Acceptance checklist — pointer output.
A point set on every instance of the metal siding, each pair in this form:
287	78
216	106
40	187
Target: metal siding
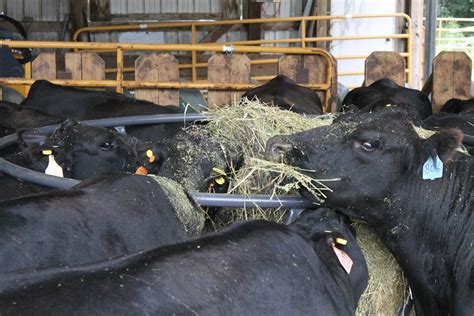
296	8
152	6
14	8
63	9
169	6
285	9
216	6
186	6
118	6
32	9
49	10
135	7
202	6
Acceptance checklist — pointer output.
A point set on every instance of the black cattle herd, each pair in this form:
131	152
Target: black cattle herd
122	243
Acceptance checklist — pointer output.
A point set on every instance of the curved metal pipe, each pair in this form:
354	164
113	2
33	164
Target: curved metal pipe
203	199
119	121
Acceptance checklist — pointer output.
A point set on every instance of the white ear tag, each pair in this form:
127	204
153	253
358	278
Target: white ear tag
53	168
433	169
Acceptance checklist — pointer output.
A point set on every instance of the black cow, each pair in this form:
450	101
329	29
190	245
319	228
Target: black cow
454	114
427	224
384	93
254	267
283	92
193	157
84	151
81	104
14	117
458	106
96	220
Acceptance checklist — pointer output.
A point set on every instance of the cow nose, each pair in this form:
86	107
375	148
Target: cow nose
276	149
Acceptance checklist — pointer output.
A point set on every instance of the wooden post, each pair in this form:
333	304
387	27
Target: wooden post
255	12
416	13
233	68
323	7
85	66
311	70
44	66
230	10
381	65
78	9
157	67
451	78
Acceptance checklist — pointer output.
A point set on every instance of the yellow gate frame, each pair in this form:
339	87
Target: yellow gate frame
330	86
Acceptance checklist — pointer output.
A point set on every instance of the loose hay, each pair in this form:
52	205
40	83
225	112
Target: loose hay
250	124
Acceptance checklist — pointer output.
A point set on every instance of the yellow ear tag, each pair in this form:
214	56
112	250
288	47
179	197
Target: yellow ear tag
149	153
219	171
341	241
151	159
47	152
220	180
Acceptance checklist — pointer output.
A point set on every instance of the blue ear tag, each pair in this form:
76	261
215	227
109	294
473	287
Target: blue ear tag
433	169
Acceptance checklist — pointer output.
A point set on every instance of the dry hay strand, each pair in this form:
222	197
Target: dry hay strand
386	290
250	124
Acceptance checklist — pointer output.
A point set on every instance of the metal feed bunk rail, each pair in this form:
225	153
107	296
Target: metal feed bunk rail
301	39
296	204
329	86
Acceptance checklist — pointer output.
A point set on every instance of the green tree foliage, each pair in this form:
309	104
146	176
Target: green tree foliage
456	8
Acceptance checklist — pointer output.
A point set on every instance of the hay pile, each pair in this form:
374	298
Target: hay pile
250	124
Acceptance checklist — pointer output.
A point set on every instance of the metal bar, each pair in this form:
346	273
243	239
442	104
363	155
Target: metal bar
203	199
193	54
164	47
35	176
430	36
151	84
119	88
303	33
150	26
251	201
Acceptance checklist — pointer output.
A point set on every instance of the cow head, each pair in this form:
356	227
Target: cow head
329	229
199	161
85	151
370	153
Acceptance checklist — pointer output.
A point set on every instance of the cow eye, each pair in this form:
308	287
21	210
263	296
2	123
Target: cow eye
367	146
107	145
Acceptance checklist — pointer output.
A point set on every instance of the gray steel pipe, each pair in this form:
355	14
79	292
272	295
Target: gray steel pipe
203	199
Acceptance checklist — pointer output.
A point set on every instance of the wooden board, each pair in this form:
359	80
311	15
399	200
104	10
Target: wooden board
85	66
290	66
451	78
160	68
311	69
72	62
44	66
381	65
93	66
233	68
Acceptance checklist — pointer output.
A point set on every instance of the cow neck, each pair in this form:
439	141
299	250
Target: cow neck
423	225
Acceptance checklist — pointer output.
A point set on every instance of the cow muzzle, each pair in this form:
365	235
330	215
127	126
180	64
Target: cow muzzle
277	148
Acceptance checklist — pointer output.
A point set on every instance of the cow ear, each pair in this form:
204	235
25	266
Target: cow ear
151	155
442	144
30	138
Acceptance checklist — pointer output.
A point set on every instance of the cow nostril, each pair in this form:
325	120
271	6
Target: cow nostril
277	151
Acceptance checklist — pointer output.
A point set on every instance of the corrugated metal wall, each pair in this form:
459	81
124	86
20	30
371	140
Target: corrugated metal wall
54	10
36	10
124	7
